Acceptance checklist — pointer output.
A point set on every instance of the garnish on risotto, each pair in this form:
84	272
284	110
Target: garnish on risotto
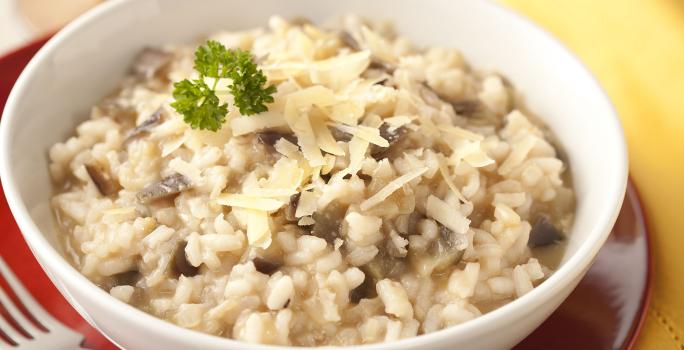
384	191
198	103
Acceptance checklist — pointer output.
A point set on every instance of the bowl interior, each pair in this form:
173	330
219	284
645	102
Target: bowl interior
85	62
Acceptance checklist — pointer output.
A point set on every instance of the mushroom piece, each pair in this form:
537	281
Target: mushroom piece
393	136
340	135
328	222
102	180
129	278
145	126
291	209
266	266
382	266
270	138
150	60
365	290
181	265
168	186
544	233
446	251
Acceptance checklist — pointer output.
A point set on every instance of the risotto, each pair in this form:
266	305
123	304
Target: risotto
388	191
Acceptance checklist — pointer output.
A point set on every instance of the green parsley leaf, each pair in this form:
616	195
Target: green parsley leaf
247	88
199	105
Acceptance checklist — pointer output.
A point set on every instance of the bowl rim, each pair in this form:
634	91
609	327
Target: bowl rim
567	272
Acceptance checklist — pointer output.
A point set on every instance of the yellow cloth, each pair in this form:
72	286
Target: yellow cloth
636	49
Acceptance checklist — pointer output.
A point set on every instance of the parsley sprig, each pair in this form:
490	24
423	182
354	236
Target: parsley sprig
197	101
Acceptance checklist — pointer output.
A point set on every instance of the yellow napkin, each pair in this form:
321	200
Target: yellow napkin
636	49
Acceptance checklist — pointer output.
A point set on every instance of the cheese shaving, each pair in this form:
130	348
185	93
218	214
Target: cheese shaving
447	178
347	112
324	137
446	215
397	121
167	147
391	187
307	204
460	132
287	148
258	231
329	164
357	153
249	124
367	133
249	202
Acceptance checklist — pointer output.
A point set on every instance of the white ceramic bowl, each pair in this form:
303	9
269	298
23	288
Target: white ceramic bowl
85	61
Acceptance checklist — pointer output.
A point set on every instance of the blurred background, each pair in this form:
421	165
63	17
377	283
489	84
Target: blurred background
636	50
23	20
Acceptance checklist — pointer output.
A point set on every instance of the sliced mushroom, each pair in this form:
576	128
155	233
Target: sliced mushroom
544	233
328	222
382	266
340	135
445	252
467	107
380	64
393	136
181	265
168	186
266	266
150	61
145	126
365	290
129	278
270	138
102	179
291	209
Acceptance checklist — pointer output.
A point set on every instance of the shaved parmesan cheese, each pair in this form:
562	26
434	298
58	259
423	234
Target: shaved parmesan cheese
307	141
258	231
397	121
314	95
367	133
460	132
307	204
269	192
447	215
249	124
290	150
357	153
324	137
249	202
171	145
286	174
447	178
378	45
471	152
287	148
347	112
390	188
338	71
329	164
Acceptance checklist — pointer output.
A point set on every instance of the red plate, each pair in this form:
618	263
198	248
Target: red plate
606	311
